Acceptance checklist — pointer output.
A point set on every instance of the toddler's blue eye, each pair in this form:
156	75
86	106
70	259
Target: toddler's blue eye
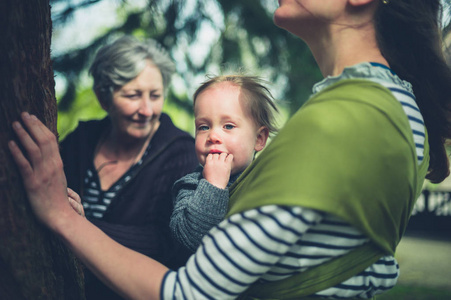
202	128
229	126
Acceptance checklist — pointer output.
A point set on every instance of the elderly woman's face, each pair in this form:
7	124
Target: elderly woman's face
136	106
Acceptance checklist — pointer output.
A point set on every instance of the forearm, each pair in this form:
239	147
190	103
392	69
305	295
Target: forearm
196	211
41	168
237	252
129	273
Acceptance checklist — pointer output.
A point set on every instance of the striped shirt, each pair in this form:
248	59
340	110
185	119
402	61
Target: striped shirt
96	200
273	242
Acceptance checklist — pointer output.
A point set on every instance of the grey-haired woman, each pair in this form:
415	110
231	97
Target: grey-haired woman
124	166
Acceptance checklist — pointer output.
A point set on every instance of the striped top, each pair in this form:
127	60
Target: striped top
273	242
96	200
409	105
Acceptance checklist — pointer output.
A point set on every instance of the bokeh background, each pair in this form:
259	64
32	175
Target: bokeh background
207	37
203	37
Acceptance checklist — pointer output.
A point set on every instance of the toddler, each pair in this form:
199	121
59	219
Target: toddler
234	115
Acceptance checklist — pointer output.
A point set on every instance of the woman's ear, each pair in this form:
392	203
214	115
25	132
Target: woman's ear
262	137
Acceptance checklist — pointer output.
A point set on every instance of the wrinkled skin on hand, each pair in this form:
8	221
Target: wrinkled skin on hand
41	168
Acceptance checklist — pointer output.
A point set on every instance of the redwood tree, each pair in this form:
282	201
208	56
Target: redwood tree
34	264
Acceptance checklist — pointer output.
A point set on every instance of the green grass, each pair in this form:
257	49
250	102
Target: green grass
401	292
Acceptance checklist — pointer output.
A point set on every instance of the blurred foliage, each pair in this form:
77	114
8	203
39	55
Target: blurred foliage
415	292
234	34
203	37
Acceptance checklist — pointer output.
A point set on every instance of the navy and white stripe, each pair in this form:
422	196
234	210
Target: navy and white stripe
271	243
410	107
95	200
403	92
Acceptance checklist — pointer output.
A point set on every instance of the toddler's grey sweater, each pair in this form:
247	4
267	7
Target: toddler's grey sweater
198	207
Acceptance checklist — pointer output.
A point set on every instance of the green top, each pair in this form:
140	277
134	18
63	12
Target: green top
349	152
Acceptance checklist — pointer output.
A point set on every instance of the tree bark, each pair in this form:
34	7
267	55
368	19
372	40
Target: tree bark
34	264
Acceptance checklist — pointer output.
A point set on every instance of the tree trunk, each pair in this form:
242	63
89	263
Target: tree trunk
34	264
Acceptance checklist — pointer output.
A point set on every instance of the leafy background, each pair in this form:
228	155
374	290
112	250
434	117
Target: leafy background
203	37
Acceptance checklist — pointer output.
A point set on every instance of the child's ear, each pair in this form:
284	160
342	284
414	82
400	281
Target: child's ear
262	137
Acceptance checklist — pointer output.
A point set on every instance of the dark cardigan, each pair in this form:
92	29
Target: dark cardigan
138	217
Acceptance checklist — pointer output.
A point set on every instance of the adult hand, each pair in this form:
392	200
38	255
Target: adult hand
217	169
41	168
75	202
45	183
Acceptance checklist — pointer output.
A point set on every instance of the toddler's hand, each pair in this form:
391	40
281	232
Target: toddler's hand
217	169
75	202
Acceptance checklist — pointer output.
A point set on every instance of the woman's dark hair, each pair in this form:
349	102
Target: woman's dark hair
410	38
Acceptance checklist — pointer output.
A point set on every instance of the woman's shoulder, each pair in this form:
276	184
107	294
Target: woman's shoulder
88	128
173	144
169	133
357	90
86	134
351	105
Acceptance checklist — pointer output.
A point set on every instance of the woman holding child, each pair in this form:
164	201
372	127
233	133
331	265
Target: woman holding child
321	210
